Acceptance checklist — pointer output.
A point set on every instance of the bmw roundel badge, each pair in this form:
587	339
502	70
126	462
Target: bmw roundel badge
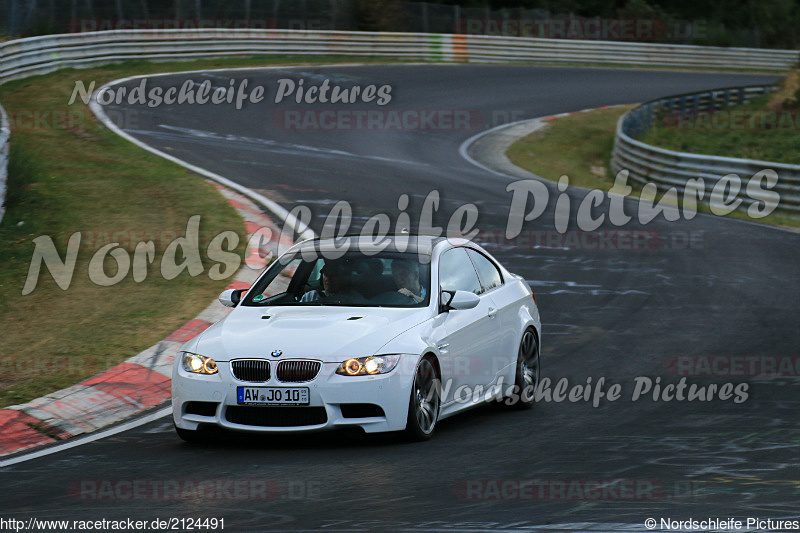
276	353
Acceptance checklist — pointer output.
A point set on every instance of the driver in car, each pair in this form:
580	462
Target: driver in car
336	279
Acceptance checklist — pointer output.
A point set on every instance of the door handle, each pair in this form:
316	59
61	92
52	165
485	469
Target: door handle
492	312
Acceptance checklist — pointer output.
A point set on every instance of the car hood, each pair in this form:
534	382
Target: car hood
330	334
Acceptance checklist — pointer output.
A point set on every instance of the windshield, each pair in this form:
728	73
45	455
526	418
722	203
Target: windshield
386	279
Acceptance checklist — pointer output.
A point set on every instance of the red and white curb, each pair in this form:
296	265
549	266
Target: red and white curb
487	149
143	381
589	110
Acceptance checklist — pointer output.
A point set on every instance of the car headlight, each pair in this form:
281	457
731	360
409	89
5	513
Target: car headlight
199	364
365	366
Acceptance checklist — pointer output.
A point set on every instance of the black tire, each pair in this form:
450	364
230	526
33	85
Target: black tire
425	402
526	379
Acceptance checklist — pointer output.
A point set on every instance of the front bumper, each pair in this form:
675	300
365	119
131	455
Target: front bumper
328	393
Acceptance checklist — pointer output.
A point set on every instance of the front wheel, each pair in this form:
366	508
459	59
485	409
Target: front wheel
423	408
526	380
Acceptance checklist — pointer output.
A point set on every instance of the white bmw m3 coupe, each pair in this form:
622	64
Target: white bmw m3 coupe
387	336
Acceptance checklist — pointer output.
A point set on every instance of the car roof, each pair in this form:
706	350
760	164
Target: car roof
408	243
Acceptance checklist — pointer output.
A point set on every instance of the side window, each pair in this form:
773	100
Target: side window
488	272
456	272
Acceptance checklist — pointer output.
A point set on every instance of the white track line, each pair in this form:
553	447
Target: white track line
304	231
91	437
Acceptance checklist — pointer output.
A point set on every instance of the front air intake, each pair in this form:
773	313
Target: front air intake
276	416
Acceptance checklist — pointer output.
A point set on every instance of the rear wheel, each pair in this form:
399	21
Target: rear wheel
423	408
526	380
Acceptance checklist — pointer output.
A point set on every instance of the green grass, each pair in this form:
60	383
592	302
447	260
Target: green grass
765	129
580	145
63	180
756	133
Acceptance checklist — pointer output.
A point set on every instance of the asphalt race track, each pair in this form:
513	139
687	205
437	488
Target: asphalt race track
713	287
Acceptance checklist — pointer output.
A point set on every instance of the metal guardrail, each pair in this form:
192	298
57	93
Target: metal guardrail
669	169
489	48
40	55
5	145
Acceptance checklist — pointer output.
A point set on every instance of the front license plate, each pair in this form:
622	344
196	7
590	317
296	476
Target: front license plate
272	395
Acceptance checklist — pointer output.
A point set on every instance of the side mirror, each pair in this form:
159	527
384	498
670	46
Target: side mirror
231	297
459	300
